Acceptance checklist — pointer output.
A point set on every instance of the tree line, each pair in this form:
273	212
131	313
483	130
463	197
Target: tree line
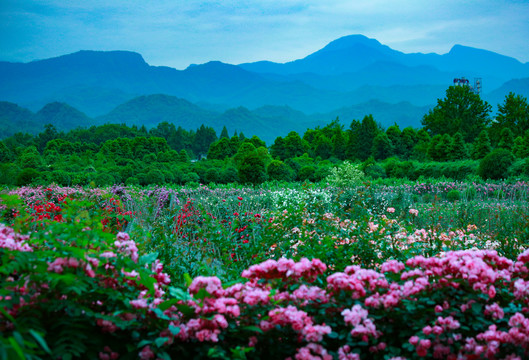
459	137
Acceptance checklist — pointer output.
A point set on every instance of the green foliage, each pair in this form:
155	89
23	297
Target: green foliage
252	169
278	170
496	164
27	176
460	111
345	175
453	195
103	179
481	146
513	114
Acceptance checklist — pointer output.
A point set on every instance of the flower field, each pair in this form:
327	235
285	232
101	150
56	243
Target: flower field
379	271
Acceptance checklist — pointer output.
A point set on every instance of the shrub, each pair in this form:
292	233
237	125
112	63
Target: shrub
453	195
496	164
345	175
27	176
104	179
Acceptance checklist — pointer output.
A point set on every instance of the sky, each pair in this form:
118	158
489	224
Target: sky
178	33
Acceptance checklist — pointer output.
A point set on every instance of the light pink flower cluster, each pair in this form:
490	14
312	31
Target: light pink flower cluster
312	352
126	246
13	241
356	280
363	327
298	320
285	269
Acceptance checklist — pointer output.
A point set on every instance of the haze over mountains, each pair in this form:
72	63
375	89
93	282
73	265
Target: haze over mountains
350	77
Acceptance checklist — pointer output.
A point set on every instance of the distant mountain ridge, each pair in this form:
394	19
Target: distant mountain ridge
349	72
267	122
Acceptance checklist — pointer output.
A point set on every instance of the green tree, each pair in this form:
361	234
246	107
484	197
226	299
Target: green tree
27	176
495	165
322	146
395	137
5	153
420	150
521	146
352	140
458	150
460	111
224	133
369	129
409	139
506	139
382	147
512	114
30	158
481	146
221	149
252	169
339	144
278	149
294	145
278	170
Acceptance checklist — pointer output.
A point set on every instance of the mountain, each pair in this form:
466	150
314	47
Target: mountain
14	118
62	116
517	86
349	72
150	110
268	122
359	54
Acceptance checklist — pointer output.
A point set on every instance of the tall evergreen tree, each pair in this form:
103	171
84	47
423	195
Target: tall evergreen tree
369	129
506	139
481	146
458	150
224	133
382	147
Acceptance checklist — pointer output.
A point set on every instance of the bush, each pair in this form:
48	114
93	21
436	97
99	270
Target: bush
375	171
496	164
345	175
453	195
132	181
104	179
27	176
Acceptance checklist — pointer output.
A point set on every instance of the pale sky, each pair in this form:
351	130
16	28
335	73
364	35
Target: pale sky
178	33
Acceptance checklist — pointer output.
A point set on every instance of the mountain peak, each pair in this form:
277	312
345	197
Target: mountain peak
349	41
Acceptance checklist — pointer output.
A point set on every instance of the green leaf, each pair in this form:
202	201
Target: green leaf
160	341
185	309
253	328
148	258
163	355
167	304
147	281
179	293
187	279
40	340
17	348
175	330
143	343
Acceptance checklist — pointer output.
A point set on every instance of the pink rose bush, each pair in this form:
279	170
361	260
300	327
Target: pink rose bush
71	293
439	307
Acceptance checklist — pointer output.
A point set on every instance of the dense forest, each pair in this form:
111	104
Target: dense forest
460	138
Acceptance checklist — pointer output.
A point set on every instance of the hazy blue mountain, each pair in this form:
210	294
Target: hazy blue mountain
404	114
267	122
150	110
517	86
349	71
62	116
14	118
353	53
